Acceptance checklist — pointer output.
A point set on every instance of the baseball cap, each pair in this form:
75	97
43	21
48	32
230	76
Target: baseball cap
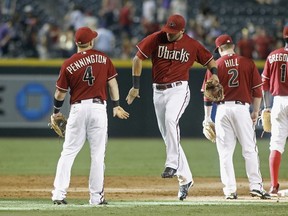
285	32
221	40
175	24
84	35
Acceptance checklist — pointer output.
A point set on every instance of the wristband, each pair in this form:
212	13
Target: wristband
57	105
136	82
208	103
115	103
56	110
214	70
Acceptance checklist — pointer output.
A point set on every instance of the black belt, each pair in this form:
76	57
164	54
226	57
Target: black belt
94	100
236	102
169	85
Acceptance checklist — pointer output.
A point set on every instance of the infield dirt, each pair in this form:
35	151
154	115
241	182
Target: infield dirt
117	188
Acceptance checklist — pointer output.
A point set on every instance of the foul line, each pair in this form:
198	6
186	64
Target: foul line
14	205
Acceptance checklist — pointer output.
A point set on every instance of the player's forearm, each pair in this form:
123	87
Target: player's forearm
212	64
136	72
266	99
256	102
207	111
136	66
59	97
113	89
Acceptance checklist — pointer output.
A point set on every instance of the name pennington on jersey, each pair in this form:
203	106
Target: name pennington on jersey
88	60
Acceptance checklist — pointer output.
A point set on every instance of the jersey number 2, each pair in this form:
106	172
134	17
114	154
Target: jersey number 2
233	81
88	76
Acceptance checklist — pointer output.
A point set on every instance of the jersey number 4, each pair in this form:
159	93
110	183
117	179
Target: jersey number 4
88	76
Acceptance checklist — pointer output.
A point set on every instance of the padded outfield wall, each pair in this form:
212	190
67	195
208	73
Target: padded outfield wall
26	100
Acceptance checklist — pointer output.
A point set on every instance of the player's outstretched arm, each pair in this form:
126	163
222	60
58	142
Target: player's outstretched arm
136	73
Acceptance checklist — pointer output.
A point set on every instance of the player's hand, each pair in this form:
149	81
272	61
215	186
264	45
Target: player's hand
120	113
214	77
206	120
132	94
254	117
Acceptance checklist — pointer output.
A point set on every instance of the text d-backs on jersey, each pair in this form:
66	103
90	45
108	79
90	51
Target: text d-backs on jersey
177	55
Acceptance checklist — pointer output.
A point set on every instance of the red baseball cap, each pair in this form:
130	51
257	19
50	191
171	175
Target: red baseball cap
285	32
175	24
221	40
84	35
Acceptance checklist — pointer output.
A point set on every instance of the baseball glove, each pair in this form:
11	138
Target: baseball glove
58	124
266	120
213	90
209	131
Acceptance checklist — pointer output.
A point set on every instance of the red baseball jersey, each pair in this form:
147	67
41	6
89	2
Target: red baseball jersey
274	75
86	74
239	76
171	61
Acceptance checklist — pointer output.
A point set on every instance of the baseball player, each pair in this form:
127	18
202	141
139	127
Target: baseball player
242	87
87	74
172	53
274	79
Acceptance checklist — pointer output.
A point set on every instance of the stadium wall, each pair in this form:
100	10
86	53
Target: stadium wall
26	100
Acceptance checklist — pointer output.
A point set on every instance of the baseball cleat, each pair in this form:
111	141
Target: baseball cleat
168	172
261	194
104	202
274	190
96	201
231	196
183	190
60	202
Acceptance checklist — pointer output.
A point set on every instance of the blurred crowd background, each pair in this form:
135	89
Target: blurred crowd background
45	29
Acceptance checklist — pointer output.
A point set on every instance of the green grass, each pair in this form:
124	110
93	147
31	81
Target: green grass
43	208
129	157
124	157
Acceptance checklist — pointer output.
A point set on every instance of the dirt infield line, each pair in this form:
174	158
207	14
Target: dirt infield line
121	188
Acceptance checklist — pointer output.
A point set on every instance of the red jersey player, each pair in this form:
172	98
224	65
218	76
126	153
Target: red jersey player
242	87
86	74
172	53
275	81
